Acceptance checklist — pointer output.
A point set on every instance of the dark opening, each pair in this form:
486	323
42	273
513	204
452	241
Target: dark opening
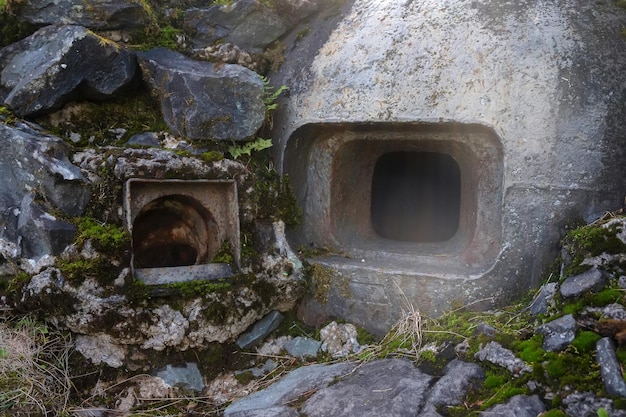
167	233
416	196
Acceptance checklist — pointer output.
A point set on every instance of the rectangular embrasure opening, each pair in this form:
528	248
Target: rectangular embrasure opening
424	195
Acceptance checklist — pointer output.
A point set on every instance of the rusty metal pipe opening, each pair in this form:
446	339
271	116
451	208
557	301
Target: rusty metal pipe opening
173	231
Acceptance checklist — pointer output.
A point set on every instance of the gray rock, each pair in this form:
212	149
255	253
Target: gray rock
297	10
43	71
41	233
150	139
429	411
388	387
586	404
592	280
518	406
95	14
485	329
303	347
610	368
621	281
277	411
34	161
101	349
610	311
543	299
453	386
559	333
260	330
289	388
187	376
260	371
494	352
247	24
339	339
202	101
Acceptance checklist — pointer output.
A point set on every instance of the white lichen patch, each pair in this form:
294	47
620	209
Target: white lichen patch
168	329
101	349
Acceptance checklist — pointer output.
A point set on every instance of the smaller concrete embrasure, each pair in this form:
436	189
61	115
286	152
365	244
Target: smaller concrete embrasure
177	227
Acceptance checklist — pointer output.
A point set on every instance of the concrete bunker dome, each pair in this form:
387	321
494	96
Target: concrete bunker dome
443	156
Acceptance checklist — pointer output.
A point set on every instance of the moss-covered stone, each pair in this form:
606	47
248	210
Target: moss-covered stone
590	241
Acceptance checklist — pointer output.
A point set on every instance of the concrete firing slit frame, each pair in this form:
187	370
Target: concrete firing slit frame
178	226
331	167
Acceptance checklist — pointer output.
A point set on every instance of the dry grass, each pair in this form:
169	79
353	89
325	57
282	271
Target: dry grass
34	369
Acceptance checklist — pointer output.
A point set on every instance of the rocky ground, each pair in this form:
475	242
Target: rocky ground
560	354
557	352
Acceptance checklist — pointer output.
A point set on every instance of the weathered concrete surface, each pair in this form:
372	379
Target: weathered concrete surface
546	78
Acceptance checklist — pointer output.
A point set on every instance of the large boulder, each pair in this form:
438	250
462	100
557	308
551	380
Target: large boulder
200	100
45	70
246	23
35	170
95	14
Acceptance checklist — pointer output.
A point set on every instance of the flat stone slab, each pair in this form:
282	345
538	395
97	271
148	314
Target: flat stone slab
188	376
610	368
291	387
388	387
174	274
592	280
518	406
260	330
559	333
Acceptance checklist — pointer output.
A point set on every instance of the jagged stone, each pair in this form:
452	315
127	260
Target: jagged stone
95	14
33	164
260	330
276	411
586	404
101	349
42	233
452	387
339	339
485	329
543	299
518	406
303	347
296	10
187	377
149	139
559	333
200	100
289	388
494	352
610	368
610	311
246	23
45	70
388	387
592	280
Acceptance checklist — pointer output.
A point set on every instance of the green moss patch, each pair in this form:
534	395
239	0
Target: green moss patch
106	238
135	112
589	241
